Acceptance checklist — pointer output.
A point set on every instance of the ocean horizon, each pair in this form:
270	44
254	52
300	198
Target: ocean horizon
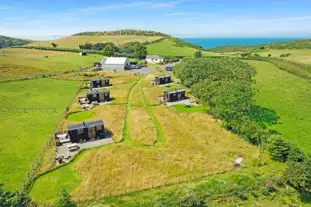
208	43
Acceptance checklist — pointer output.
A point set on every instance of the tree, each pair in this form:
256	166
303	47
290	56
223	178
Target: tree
108	50
14	199
295	154
197	54
64	200
279	149
54	44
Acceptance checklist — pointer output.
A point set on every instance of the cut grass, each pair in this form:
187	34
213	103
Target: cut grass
167	47
301	55
80	116
75	41
19	63
290	97
183	108
24	134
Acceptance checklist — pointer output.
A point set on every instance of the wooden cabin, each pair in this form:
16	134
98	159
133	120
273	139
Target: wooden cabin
86	130
165	79
99	96
175	95
99	83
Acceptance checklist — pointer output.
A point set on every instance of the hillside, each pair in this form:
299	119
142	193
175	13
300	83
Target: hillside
123	32
9	41
298	44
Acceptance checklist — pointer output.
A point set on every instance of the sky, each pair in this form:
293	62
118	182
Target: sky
41	19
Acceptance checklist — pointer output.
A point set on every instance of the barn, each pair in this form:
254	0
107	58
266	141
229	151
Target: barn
115	64
99	83
99	96
86	130
175	95
165	79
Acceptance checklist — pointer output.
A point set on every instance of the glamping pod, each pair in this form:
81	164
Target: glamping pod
175	95
165	79
86	130
99	83
99	96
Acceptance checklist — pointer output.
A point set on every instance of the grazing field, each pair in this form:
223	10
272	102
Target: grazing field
16	62
301	55
290	97
75	41
188	145
24	134
167	47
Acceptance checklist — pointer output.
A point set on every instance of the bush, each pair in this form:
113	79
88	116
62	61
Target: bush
63	200
279	149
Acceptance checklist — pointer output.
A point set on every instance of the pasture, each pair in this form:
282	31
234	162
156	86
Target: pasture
301	55
179	147
24	134
290	97
167	47
75	41
17	62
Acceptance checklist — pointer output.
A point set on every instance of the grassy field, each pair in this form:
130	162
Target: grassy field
169	48
75	41
24	134
290	97
16	62
184	108
192	145
301	55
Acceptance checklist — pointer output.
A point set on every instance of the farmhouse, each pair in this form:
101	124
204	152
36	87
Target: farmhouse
82	53
115	64
99	83
165	79
175	95
98	96
154	59
86	130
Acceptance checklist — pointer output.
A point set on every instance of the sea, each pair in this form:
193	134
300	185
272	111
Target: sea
208	43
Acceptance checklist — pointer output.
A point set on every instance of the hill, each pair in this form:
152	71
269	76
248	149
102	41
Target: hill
298	44
123	32
9	41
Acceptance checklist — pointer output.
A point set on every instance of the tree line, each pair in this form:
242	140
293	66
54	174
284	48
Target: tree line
226	85
9	42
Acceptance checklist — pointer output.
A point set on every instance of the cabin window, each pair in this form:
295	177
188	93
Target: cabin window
99	127
94	95
80	131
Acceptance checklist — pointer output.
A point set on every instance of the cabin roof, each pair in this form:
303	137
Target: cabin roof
85	125
114	61
98	79
174	91
94	123
164	76
97	92
75	127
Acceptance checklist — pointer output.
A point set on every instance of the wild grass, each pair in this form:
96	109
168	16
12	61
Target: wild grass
183	108
290	97
141	128
75	41
24	134
301	55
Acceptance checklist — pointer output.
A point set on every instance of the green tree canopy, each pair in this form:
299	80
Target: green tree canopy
279	149
108	51
197	54
63	200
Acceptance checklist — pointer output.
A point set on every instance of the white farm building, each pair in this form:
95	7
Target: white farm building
115	64
154	59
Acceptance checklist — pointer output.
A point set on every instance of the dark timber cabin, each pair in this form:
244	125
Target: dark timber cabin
86	130
163	79
98	96
99	83
175	95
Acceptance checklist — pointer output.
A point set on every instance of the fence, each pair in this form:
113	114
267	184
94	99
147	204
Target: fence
26	110
51	141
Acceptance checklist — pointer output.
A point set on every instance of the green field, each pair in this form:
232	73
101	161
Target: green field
167	47
24	134
290	97
75	41
16	63
183	108
301	55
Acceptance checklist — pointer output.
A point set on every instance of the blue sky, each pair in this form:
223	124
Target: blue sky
183	18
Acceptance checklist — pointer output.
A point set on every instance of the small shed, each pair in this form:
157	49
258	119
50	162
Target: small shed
165	79
99	83
99	96
82	53
175	95
85	130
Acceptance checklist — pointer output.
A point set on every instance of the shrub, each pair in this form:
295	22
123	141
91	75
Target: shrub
279	149
63	200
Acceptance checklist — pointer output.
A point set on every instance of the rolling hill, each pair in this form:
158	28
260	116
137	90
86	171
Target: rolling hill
9	41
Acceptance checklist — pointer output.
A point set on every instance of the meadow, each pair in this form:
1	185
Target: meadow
180	146
18	62
24	133
75	41
290	97
298	55
167	47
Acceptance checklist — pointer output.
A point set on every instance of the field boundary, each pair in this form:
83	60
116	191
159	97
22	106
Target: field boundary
26	110
50	142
